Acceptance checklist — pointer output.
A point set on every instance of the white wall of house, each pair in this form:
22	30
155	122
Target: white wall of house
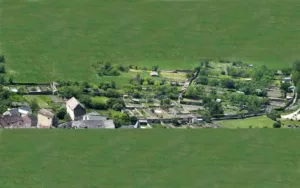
70	112
44	122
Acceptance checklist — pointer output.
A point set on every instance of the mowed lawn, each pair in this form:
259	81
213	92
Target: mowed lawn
254	122
46	40
247	158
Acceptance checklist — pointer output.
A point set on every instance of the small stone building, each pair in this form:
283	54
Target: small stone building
46	119
75	109
13	121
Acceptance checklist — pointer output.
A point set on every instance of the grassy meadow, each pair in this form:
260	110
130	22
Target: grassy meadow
254	122
45	40
158	158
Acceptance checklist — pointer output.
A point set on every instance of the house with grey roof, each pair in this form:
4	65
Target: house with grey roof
25	110
11	112
135	126
46	119
75	109
154	74
94	116
20	111
13	121
89	124
31	119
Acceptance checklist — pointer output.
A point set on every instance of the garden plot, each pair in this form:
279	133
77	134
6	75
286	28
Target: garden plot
42	100
191	108
174	76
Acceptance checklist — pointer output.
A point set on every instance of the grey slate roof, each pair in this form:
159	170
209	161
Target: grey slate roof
13	121
94	116
89	124
137	125
46	113
14	111
73	103
108	124
25	108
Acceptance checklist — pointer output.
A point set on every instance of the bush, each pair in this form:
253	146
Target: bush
2	59
277	124
2	80
61	113
214	82
115	104
2	69
106	69
86	100
202	80
98	105
112	93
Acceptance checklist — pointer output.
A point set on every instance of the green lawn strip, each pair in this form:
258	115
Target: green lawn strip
102	100
290	122
254	122
41	100
171	34
160	158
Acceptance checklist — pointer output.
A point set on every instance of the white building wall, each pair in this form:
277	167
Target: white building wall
70	112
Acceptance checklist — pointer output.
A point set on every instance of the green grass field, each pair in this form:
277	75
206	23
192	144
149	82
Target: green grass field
45	40
157	158
41	100
254	122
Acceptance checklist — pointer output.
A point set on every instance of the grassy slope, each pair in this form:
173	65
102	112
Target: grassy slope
45	39
148	158
255	122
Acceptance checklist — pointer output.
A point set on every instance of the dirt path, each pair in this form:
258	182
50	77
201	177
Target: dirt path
294	116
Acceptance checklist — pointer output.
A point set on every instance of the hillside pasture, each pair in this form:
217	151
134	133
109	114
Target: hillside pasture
253	122
157	158
46	40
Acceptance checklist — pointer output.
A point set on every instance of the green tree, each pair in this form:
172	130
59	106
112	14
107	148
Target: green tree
34	105
22	90
298	88
286	71
115	104
277	124
192	92
155	68
11	79
273	115
214	82
228	83
69	91
2	59
285	87
189	75
215	109
2	80
207	117
296	65
61	113
67	118
86	100
295	76
2	69
202	80
112	93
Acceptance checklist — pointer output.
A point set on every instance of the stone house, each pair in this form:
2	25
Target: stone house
46	119
88	124
30	119
154	74
94	116
20	111
13	121
75	109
